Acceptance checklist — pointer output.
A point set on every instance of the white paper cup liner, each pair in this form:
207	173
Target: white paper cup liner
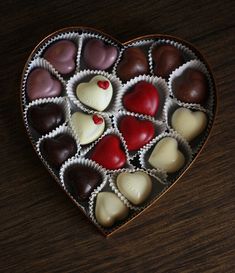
159	126
123	143
196	64
34	135
87	36
186	52
60	130
84	205
159	83
85	148
143	44
158	186
40	63
183	145
172	105
86	76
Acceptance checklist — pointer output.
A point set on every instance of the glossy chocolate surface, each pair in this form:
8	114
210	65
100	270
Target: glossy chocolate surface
133	63
81	180
45	117
166	59
58	149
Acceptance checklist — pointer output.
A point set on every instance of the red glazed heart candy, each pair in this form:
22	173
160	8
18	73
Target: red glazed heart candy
142	99
108	153
136	132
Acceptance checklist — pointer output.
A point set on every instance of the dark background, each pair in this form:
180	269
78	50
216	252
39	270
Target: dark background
192	228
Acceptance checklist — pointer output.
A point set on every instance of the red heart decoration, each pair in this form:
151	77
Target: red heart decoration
136	132
108	153
103	84
97	119
142	99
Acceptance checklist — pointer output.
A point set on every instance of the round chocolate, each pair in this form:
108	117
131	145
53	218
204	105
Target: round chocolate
166	59
191	86
45	117
41	84
133	63
62	56
81	180
58	149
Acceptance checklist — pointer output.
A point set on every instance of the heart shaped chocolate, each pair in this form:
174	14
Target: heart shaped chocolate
87	127
97	93
146	105
136	186
136	132
98	55
46	117
41	84
142	99
109	153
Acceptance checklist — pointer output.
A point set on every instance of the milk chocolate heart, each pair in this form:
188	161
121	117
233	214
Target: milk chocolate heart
166	59
92	183
143	98
109	153
62	56
133	64
41	84
98	55
136	132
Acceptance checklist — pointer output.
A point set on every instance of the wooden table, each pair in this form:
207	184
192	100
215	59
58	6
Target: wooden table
192	228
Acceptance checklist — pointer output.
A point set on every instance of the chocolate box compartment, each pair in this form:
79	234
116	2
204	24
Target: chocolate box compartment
155	38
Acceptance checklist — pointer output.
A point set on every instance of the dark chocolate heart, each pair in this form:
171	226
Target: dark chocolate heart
166	59
81	180
45	117
58	149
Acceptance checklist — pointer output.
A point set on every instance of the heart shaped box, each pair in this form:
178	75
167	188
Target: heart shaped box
162	181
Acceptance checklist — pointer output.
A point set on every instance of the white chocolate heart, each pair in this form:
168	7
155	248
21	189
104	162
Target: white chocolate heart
109	209
87	127
91	94
188	123
136	186
166	155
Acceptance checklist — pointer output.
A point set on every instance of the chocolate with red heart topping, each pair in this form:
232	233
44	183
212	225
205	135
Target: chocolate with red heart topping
136	132
109	153
58	149
143	98
166	59
132	64
191	86
81	180
62	56
41	84
45	117
98	55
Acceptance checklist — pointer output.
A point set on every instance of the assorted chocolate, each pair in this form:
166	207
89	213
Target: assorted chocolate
109	125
